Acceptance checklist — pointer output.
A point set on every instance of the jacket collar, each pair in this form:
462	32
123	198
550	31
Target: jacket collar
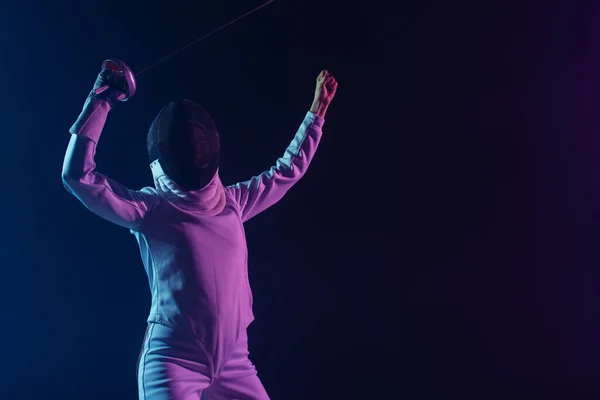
210	200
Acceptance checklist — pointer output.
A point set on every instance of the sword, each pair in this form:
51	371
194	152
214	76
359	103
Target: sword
122	68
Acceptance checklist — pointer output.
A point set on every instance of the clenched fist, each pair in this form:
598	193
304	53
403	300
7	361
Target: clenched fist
326	87
324	93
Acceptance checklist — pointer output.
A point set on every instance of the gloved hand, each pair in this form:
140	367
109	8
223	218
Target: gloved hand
110	86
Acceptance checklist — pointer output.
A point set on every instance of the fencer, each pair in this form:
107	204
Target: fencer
189	228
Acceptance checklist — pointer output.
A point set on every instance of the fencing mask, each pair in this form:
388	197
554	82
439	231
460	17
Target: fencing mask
184	139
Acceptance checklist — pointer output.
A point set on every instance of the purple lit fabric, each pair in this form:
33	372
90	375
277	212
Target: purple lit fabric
194	251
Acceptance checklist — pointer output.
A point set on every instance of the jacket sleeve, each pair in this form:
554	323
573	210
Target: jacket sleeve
262	191
101	195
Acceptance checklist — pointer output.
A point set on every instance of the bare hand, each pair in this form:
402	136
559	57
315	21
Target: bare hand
324	93
326	88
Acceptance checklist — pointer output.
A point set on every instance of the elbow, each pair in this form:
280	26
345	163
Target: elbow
67	174
72	172
75	168
67	181
70	179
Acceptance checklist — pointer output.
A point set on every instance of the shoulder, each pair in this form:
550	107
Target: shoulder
150	196
230	193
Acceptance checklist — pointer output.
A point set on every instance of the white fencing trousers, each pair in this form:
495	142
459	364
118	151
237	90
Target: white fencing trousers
175	366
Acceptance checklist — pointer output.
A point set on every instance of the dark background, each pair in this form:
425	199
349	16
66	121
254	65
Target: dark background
443	244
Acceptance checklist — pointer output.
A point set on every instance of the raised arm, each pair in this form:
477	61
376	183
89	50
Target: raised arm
262	191
103	196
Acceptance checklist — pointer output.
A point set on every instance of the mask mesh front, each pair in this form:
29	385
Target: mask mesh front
184	139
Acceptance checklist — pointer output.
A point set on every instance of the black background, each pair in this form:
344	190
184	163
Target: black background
443	244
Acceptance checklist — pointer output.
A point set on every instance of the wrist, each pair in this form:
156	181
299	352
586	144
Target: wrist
319	108
108	95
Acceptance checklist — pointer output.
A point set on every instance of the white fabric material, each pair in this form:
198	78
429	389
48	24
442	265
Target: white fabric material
209	200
